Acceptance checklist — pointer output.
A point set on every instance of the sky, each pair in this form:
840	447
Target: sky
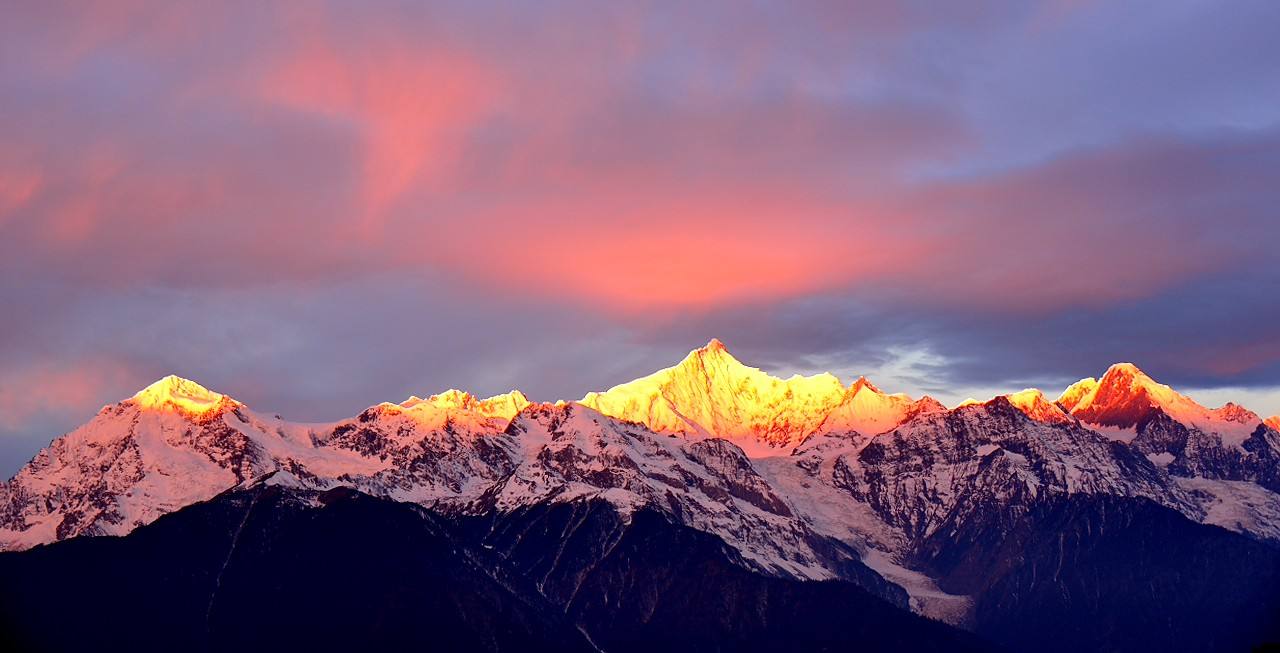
314	207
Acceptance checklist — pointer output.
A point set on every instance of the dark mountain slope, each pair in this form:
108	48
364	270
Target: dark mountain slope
1108	573
273	567
351	573
650	585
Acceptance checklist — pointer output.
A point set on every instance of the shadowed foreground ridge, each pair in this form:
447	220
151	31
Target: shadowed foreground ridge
275	567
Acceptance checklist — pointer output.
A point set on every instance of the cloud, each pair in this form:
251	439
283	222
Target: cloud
412	104
322	205
1159	252
46	390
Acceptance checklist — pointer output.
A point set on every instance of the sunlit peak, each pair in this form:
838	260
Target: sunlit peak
1026	398
1125	369
715	350
184	395
1234	412
453	400
1033	403
863	383
1076	392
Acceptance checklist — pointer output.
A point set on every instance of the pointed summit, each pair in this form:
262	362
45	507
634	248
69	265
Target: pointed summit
863	384
183	395
1233	412
868	411
1128	369
711	355
1274	422
711	394
1125	397
1035	405
1076	391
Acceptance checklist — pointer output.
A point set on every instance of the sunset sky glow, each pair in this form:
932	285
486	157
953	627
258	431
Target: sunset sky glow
313	207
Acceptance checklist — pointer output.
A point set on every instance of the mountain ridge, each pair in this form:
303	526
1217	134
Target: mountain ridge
804	478
175	440
831	406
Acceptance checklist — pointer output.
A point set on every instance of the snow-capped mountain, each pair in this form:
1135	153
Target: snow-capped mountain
172	444
1222	457
710	394
1125	398
1035	405
803	477
176	443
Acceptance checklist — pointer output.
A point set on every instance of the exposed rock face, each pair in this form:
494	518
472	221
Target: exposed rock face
1193	453
1094	573
977	457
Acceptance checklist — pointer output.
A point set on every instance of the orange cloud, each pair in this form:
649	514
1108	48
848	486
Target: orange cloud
627	253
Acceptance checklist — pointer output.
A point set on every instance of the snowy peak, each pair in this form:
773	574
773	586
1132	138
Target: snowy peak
504	405
712	354
1274	422
1125	397
711	394
455	407
863	384
1035	405
867	410
1076	392
710	360
174	393
1233	412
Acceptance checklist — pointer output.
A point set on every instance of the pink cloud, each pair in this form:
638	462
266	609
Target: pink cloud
807	172
17	187
412	105
345	147
59	388
633	250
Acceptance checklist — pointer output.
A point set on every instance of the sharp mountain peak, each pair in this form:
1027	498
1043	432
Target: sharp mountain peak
184	395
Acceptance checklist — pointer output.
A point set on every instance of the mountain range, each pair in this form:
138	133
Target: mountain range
707	506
